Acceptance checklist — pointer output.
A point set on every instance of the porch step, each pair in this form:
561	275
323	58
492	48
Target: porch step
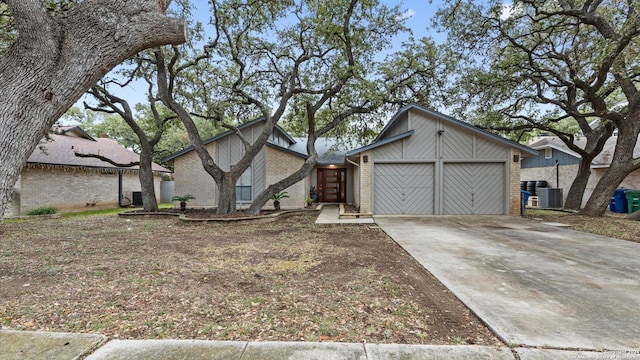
344	215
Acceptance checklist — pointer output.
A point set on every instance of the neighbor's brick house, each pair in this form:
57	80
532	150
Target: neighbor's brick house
54	176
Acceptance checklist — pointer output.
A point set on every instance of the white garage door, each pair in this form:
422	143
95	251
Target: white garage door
403	189
473	189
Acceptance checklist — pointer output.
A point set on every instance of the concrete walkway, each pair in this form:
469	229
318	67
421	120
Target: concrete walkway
330	214
535	285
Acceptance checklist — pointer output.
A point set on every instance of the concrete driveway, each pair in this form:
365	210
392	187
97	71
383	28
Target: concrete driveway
535	285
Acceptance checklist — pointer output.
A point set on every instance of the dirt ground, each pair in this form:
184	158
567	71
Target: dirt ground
287	279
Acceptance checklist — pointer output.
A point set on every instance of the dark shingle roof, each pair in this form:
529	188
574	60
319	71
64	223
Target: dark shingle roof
60	150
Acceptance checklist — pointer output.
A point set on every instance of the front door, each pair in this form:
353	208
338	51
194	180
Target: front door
332	185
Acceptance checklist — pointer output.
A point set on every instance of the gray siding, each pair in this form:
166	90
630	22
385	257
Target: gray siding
459	171
259	168
540	161
422	144
400	126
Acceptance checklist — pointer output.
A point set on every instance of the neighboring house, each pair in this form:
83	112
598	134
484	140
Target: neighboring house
558	165
423	162
54	176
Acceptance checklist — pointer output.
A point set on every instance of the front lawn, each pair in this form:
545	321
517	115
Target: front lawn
284	280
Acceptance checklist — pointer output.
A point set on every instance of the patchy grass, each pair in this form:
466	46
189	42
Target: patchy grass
611	224
286	280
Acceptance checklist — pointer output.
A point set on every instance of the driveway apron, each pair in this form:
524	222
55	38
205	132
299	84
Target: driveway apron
535	285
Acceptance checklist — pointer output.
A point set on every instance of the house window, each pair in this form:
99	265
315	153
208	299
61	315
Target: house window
243	186
275	137
548	153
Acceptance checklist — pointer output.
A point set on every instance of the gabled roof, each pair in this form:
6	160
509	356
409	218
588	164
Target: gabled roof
553	142
380	143
405	109
227	133
443	117
59	149
603	159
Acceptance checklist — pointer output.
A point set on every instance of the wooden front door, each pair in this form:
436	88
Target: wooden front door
332	185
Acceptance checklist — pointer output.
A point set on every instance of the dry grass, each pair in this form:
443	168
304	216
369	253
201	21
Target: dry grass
282	280
611	224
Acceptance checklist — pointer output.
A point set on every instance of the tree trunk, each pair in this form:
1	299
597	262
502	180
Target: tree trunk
147	184
599	200
576	191
227	199
54	61
266	194
621	165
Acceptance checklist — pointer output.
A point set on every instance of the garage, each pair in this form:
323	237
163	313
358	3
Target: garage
470	189
403	189
426	163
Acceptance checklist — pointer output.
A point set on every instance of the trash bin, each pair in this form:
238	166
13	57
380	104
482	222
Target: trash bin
524	197
618	202
633	200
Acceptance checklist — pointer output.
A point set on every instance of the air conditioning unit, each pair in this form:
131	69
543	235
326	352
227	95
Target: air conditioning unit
549	198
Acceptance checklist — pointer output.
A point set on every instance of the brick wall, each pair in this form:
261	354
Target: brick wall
73	189
567	174
191	178
280	164
366	186
514	183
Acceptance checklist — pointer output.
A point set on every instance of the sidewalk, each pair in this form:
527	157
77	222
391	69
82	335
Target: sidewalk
27	345
62	346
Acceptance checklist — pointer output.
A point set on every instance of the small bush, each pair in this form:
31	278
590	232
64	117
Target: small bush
45	210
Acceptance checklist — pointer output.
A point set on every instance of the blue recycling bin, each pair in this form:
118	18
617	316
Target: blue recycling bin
524	197
618	202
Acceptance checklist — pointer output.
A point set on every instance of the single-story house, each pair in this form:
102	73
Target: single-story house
558	165
55	176
423	162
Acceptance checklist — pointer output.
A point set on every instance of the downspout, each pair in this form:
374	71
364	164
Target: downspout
557	174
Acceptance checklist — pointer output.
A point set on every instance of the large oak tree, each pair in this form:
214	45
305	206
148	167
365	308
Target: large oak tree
56	56
538	64
303	60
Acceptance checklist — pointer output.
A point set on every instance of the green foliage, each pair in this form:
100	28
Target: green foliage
280	195
535	65
45	210
183	198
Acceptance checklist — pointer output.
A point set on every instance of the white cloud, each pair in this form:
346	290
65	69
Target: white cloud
507	11
407	14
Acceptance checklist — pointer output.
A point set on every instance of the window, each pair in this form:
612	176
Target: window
275	137
548	153
243	186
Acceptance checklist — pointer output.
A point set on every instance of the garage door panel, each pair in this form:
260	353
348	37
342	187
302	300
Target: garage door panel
403	189
456	192
489	189
473	189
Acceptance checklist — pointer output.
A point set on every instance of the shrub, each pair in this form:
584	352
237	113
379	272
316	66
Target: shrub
45	210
